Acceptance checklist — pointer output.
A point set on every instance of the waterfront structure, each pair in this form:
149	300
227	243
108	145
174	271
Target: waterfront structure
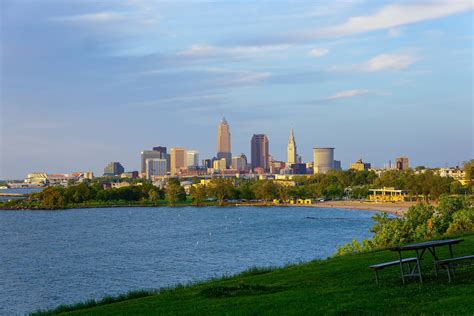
323	159
259	152
359	165
292	155
192	158
220	164
114	168
178	159
157	152
401	163
387	194
223	142
155	167
239	163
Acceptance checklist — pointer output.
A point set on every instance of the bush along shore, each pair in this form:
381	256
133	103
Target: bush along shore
425	186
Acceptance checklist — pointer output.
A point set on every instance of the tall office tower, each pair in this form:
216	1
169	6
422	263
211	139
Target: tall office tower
323	159
192	158
178	159
157	152
113	169
401	163
155	167
291	149
259	152
223	142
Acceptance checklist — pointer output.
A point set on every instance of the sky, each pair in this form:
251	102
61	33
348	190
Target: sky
85	82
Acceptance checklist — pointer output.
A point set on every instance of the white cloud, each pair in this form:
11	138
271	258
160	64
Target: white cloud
394	32
199	51
395	15
388	62
347	94
239	77
208	51
318	52
98	17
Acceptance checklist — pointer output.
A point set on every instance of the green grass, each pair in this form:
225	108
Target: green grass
340	285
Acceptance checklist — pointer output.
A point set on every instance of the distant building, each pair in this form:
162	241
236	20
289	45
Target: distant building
276	166
223	142
155	167
157	152
337	165
359	165
207	163
113	169
323	159
88	175
192	158
298	168
178	159
131	175
220	164
401	163
292	155
260	152
239	163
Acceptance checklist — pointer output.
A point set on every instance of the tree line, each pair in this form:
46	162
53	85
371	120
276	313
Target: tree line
335	184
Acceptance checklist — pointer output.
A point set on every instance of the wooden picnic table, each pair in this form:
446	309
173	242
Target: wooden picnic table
420	249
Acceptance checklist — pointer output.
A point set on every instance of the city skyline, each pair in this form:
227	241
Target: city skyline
80	90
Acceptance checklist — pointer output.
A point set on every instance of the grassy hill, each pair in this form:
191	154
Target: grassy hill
337	285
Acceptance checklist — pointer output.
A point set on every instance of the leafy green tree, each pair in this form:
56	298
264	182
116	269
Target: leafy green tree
265	190
153	195
463	222
52	198
244	190
174	192
221	189
198	194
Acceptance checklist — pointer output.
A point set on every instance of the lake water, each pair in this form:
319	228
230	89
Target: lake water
20	191
49	258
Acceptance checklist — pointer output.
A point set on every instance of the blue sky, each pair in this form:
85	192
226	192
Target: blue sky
88	82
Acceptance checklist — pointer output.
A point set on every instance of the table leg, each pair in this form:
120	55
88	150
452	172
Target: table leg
401	267
418	265
451	254
434	260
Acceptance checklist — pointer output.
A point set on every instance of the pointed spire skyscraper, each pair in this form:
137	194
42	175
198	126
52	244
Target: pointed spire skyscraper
223	142
291	149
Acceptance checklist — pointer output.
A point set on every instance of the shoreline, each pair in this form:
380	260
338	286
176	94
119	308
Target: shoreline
396	208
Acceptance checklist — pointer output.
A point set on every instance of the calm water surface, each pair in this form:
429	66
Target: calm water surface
49	258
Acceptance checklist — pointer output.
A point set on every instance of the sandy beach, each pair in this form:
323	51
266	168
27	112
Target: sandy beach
398	208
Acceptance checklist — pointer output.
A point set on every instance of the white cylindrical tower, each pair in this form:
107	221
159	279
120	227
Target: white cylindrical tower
323	159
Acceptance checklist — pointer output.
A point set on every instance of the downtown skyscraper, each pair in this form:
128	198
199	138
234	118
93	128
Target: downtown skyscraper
292	154
223	142
260	152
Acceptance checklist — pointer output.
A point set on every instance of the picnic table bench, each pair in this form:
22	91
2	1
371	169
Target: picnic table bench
384	265
450	263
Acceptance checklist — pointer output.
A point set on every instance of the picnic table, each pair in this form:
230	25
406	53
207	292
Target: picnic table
420	250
